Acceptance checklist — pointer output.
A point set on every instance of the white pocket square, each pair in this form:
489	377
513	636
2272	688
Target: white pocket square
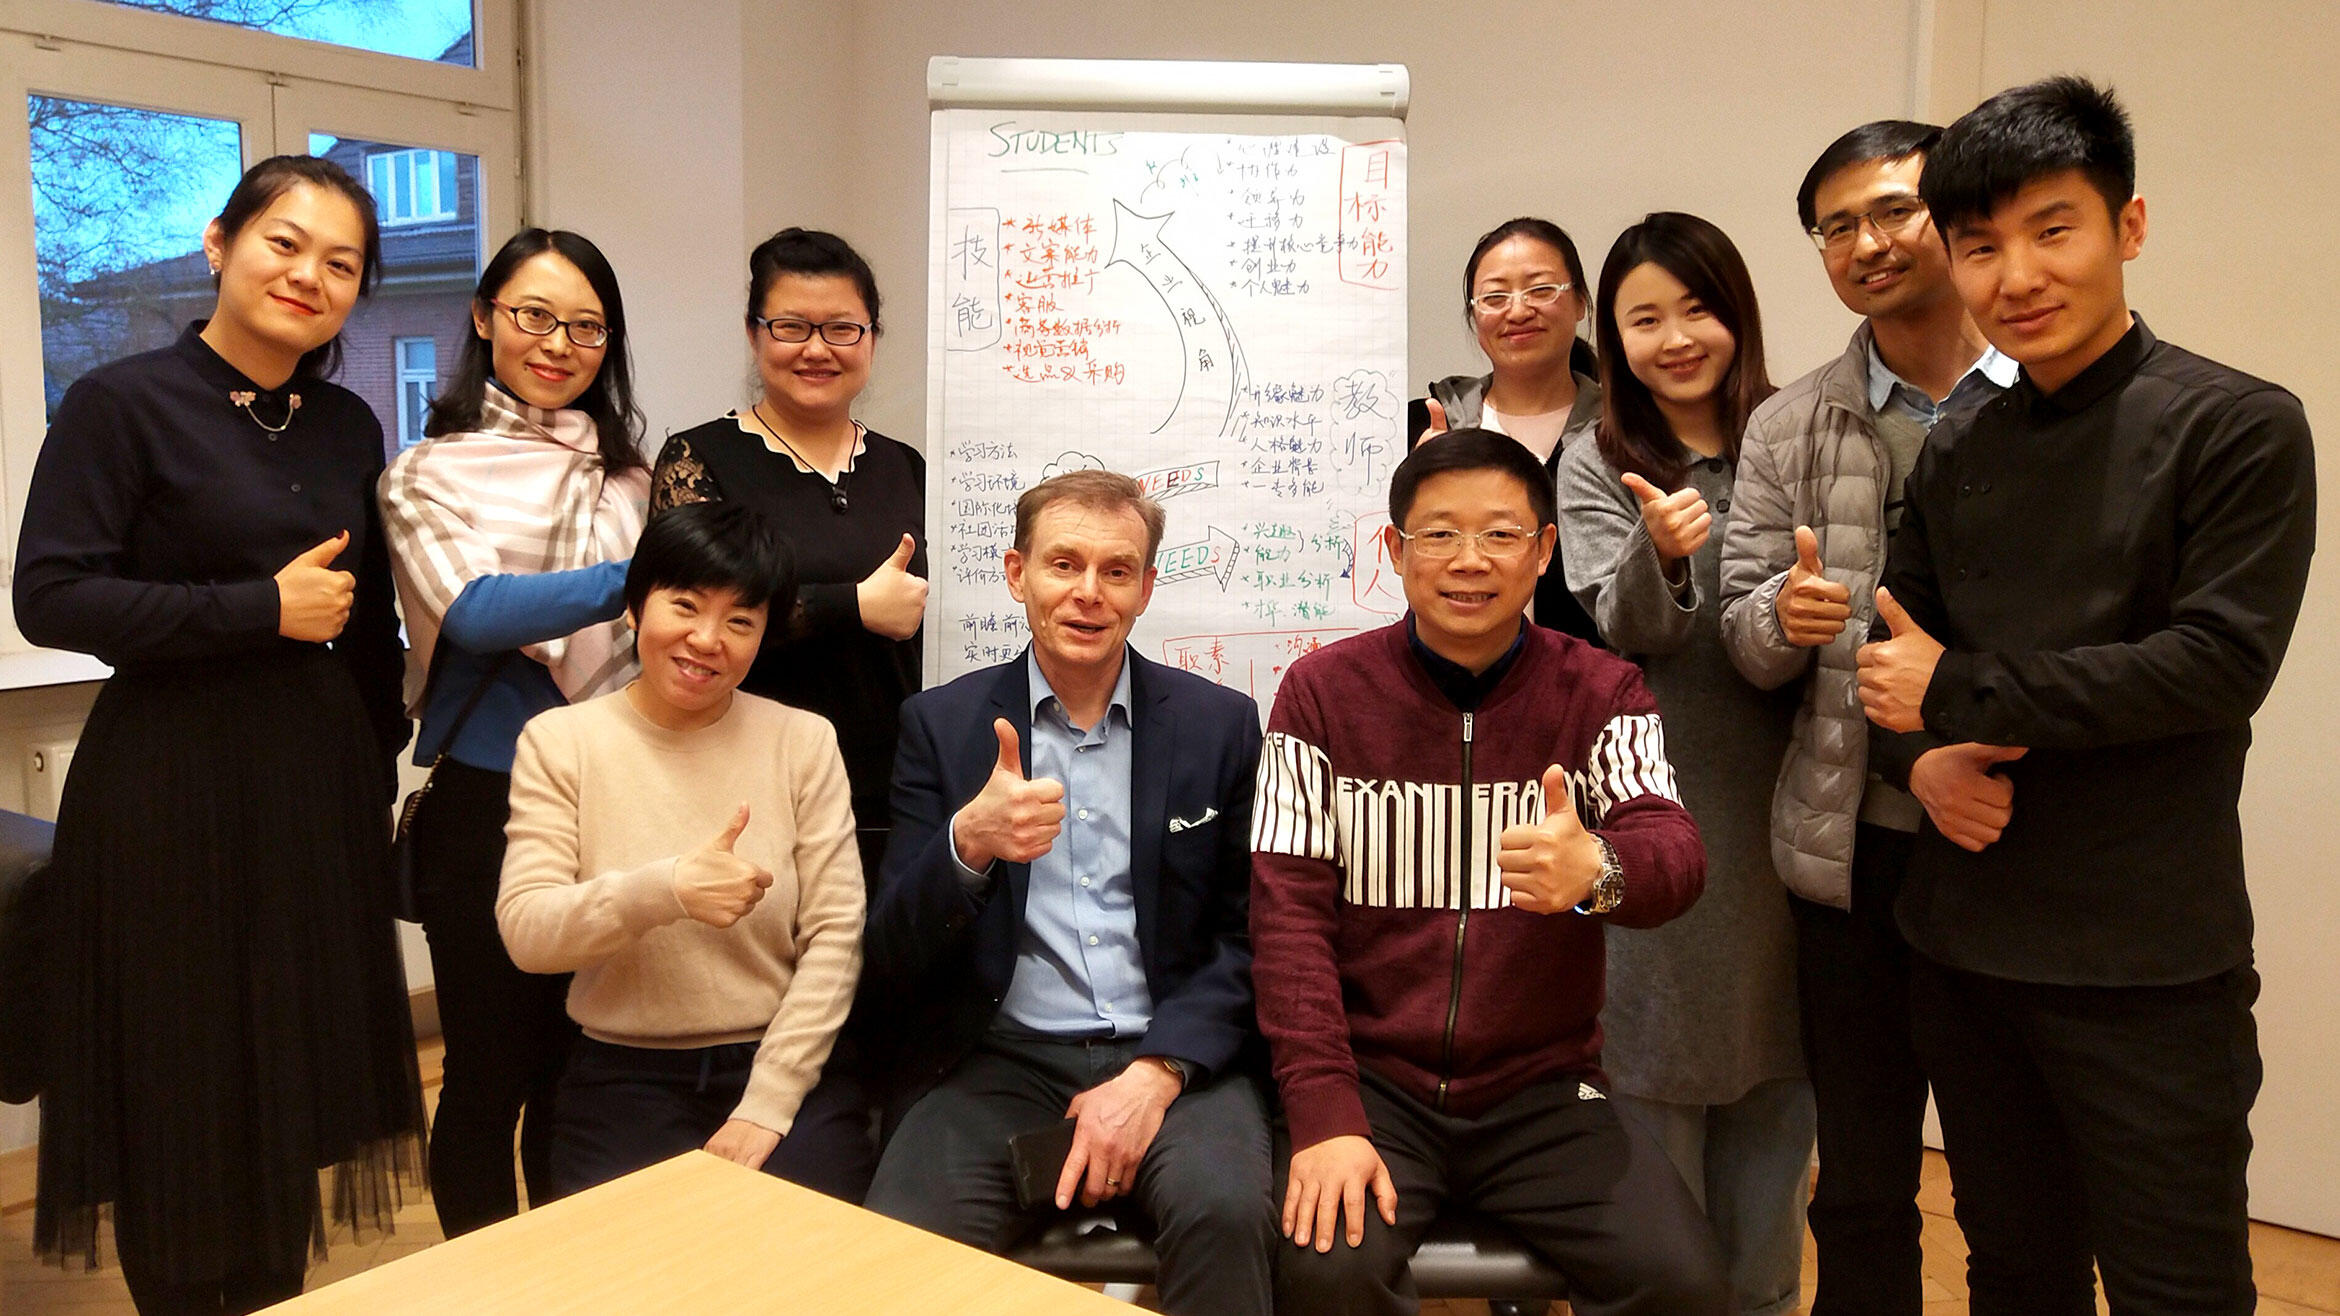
1181	824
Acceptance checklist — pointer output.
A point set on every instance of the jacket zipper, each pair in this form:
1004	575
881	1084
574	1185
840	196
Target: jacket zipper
1462	922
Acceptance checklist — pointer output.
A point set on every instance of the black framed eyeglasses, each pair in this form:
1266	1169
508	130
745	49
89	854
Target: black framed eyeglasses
537	321
1892	218
836	333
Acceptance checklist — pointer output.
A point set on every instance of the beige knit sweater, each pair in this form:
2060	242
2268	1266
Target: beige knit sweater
603	803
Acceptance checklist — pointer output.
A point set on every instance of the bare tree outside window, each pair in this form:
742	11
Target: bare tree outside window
120	194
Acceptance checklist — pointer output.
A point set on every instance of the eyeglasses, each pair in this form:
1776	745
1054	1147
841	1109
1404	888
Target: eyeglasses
1503	541
1539	296
1892	217
836	333
540	322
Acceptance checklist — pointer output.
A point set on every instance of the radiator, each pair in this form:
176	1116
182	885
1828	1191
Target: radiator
45	765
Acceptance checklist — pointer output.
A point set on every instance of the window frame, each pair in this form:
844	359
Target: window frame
488	83
406	161
410	427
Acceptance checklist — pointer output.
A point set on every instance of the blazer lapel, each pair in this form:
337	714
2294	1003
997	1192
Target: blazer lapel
1149	797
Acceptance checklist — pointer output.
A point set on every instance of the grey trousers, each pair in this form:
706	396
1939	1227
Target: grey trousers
1203	1186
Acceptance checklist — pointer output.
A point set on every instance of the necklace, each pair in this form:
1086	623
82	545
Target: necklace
836	487
244	397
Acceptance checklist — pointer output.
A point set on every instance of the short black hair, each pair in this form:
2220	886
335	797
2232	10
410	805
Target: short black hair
1470	449
2024	134
810	252
714	545
1885	139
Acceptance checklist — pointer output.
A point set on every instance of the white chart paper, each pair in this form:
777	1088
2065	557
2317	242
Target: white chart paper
1212	304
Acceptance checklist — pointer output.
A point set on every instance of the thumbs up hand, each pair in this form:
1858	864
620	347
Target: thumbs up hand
715	886
893	602
312	599
1812	608
1010	818
1678	522
1550	866
1896	672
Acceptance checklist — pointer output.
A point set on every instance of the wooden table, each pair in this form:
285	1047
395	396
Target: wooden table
699	1234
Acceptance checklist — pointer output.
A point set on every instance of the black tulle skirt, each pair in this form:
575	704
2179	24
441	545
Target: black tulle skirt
231	1012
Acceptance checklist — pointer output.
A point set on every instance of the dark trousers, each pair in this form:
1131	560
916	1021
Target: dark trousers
623	1108
1203	1184
144	1273
507	1033
2104	1123
1588	1190
1852	981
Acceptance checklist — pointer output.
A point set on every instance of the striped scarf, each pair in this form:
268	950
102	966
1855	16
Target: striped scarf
524	493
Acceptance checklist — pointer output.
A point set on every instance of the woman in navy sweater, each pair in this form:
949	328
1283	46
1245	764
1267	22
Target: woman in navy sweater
229	1013
510	529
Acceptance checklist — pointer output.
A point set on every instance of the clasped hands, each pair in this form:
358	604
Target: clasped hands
1969	803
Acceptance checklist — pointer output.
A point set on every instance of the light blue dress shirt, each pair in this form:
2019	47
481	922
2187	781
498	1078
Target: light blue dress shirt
1079	971
1992	372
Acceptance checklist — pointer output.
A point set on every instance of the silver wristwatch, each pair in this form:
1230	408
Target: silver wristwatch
1608	890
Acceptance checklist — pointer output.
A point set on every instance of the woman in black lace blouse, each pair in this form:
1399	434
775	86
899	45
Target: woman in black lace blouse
852	503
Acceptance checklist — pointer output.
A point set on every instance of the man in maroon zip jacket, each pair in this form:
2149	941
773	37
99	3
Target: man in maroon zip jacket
1449	809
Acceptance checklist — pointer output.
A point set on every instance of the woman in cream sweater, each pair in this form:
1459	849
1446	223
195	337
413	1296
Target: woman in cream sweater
687	851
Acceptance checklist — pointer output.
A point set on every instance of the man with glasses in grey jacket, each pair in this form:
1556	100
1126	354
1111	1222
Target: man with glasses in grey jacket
1818	496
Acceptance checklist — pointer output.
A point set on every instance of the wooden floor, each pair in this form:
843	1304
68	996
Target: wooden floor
2297	1273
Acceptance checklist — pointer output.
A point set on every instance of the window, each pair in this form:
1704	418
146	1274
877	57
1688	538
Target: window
410	187
116	191
418	383
139	117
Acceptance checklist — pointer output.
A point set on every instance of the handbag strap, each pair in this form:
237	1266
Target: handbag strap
486	679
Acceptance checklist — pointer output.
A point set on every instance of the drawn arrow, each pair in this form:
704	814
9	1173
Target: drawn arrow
1171	481
1212	372
1211	555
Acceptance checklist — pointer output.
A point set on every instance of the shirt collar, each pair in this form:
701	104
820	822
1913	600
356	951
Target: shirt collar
1043	693
2102	376
216	371
1993	364
1464	688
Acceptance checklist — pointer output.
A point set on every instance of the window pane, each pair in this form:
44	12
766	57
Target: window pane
418	369
120	198
400	342
436	30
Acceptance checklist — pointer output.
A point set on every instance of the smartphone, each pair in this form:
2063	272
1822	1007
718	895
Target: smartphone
1036	1157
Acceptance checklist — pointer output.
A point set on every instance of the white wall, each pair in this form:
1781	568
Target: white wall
635	140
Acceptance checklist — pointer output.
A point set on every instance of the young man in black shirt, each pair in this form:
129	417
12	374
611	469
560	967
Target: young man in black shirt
2101	567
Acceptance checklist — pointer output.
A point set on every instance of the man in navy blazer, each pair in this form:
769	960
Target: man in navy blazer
1060	924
